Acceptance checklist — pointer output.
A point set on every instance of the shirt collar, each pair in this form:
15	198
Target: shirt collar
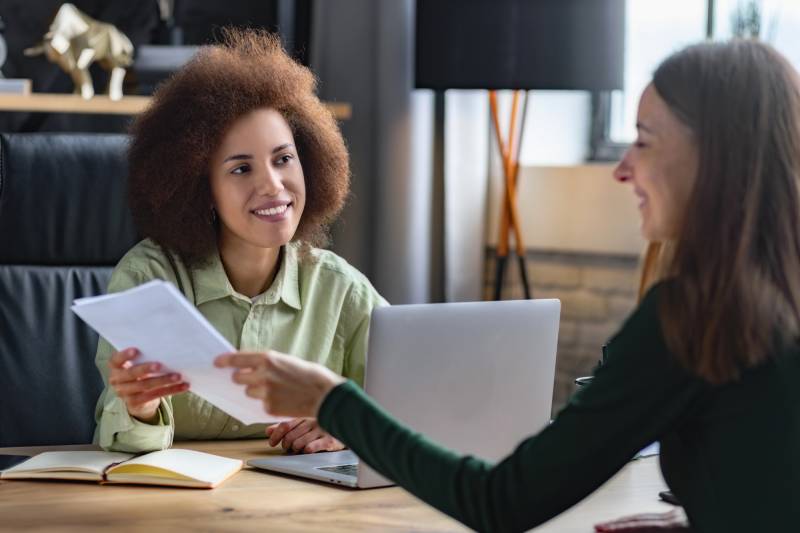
211	282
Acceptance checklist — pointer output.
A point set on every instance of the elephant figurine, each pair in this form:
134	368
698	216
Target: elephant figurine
75	40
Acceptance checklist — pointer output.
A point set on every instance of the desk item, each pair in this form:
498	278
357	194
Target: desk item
674	521
582	381
649	451
165	327
476	377
669	497
7	461
173	467
252	502
15	86
75	40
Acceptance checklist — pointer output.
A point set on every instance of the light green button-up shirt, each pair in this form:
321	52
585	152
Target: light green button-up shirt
318	308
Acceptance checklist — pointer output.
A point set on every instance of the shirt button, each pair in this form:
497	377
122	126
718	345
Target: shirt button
235	427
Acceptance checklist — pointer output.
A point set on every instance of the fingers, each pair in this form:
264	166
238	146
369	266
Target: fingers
249	376
279	430
131	388
301	431
242	360
258	391
133	373
298	444
121	357
141	398
123	370
302	435
286	385
324	444
139	384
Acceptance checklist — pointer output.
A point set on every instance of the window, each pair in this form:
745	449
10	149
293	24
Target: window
780	23
655	29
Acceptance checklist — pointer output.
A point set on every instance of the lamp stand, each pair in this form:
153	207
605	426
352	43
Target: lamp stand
509	216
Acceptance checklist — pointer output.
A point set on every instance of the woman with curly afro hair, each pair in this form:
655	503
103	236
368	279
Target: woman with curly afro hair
236	170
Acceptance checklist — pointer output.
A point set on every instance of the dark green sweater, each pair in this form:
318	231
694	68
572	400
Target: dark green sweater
729	453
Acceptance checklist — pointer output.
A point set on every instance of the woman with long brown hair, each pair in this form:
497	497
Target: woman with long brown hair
707	364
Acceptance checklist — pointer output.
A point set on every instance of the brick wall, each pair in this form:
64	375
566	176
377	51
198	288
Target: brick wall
596	291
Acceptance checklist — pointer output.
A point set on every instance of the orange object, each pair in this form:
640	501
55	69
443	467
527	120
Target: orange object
509	215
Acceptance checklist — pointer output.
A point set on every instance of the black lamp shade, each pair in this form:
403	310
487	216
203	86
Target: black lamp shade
520	44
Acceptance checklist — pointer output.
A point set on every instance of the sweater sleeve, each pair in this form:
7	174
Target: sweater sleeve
636	396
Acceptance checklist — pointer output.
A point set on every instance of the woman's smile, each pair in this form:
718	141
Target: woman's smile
257	182
272	211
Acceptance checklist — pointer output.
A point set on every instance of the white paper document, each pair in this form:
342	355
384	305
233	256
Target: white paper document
157	319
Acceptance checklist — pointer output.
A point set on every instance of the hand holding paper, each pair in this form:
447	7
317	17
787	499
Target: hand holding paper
141	386
157	319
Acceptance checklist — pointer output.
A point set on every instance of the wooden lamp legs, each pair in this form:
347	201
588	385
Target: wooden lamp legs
509	215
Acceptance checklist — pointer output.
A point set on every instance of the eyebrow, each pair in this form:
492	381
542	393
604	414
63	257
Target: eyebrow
237	157
640	126
240	157
282	147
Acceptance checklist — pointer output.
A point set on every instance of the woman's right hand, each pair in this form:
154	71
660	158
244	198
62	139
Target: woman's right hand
287	385
142	386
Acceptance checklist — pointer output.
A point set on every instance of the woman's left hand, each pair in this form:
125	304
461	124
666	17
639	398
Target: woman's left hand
302	435
287	385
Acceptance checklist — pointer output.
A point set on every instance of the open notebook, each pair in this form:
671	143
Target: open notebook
175	467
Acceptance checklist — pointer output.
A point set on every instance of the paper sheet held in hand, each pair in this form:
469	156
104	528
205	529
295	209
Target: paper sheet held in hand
157	319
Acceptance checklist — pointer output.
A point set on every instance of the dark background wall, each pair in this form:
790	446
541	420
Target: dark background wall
361	51
192	22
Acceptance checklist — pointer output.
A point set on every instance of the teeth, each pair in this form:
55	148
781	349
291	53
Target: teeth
272	211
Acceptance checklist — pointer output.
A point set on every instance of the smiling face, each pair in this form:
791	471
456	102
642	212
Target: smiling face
662	167
257	182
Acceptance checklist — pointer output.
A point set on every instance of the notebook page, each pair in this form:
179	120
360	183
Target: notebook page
95	462
202	466
165	327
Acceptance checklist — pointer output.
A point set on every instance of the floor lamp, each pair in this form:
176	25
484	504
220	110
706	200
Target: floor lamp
520	45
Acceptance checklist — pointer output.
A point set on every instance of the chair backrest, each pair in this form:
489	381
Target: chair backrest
64	224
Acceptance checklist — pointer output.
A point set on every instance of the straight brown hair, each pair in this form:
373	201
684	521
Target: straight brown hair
733	299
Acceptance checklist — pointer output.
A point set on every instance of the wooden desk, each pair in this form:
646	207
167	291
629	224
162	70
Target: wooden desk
255	501
129	105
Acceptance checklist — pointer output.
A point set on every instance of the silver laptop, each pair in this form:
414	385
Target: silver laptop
475	377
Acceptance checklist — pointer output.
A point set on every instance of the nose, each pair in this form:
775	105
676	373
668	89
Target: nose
623	171
269	182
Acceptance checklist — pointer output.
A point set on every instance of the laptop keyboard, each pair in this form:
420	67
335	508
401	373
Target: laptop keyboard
345	470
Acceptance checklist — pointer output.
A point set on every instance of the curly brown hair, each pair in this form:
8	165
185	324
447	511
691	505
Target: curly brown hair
174	139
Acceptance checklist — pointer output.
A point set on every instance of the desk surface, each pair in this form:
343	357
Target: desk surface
129	105
255	501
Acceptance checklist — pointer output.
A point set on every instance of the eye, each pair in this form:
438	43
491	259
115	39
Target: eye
284	159
241	169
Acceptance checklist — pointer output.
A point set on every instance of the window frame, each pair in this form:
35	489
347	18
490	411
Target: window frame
602	148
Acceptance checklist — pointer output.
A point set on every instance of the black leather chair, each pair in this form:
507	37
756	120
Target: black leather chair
64	224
